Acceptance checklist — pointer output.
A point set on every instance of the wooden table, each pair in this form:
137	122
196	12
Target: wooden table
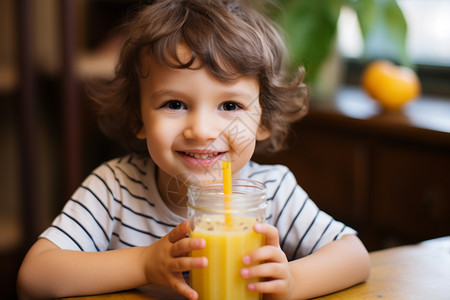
419	271
411	272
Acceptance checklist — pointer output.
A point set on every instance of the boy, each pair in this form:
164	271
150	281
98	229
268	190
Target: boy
197	82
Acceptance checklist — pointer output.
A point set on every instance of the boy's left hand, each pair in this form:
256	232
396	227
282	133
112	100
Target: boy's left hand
277	280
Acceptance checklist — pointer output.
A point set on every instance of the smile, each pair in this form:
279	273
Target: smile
204	159
203	155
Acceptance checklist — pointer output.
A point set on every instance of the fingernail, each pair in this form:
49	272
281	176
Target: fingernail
202	262
251	286
193	295
257	227
246	259
245	273
202	243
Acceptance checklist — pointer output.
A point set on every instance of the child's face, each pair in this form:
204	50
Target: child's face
193	122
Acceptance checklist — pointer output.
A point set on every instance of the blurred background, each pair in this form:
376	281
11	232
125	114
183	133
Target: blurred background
387	174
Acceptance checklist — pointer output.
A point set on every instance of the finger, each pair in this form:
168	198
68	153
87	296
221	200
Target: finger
270	233
179	285
269	287
184	246
179	232
265	253
182	264
267	270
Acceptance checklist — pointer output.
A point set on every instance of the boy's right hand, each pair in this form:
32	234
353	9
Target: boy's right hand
166	259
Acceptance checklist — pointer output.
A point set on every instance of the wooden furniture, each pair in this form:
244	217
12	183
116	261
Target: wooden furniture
420	271
385	174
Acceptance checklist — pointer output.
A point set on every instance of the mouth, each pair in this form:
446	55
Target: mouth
203	155
202	158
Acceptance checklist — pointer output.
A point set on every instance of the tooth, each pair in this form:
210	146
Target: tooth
202	155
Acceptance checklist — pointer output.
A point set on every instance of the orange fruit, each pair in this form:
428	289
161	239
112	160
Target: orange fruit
391	85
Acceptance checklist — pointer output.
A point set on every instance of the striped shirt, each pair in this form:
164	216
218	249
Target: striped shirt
118	206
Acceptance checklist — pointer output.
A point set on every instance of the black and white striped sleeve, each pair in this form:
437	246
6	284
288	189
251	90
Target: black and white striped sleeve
302	226
86	221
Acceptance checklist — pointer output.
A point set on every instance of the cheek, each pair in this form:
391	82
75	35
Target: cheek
159	143
243	142
242	132
158	134
241	158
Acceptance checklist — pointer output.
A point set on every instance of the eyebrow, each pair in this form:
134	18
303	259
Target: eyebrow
239	94
225	94
165	92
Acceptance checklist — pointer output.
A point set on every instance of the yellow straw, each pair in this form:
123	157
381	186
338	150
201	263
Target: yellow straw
227	191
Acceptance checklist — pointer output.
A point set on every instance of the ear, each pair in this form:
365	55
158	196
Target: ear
262	133
141	133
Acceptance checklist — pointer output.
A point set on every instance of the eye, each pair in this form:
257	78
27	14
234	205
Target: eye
174	105
230	106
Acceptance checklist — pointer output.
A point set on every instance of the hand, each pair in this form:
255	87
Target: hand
277	280
166	259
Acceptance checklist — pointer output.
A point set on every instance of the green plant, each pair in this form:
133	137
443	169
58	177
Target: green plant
311	27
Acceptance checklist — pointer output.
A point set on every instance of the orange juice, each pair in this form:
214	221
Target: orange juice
225	247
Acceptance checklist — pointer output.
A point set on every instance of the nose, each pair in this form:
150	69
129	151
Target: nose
202	126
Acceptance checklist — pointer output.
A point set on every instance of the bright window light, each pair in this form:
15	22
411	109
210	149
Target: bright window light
428	40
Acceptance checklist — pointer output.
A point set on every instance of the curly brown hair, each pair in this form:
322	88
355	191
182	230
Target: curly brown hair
229	37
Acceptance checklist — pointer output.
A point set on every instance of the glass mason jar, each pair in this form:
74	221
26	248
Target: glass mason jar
229	235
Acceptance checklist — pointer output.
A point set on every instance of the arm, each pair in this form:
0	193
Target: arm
50	272
334	267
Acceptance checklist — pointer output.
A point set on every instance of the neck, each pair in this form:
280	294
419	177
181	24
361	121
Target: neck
173	192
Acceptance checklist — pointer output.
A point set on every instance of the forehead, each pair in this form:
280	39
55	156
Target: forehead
180	55
151	66
157	78
152	70
184	58
183	53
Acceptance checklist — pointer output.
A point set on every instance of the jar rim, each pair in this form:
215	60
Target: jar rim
236	182
247	195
